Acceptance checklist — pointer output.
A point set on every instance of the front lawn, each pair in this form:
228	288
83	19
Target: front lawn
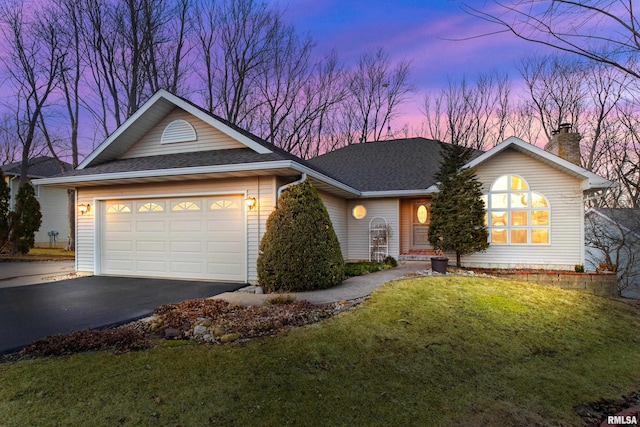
427	351
41	254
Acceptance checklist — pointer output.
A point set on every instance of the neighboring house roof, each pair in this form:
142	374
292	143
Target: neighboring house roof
627	218
380	166
39	167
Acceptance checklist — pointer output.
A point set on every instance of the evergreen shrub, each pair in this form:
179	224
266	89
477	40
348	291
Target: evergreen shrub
300	250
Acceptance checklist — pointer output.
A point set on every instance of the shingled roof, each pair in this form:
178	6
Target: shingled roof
178	160
394	165
39	167
629	218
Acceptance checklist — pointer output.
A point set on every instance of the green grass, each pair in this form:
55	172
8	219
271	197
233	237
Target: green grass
364	267
428	351
41	254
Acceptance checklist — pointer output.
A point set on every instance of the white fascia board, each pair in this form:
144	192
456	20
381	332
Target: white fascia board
130	121
591	180
279	164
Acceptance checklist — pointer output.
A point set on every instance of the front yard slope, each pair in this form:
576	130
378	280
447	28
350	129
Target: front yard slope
424	351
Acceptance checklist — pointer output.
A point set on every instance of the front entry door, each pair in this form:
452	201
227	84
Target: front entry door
421	215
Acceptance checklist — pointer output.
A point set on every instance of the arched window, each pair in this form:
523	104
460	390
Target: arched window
515	214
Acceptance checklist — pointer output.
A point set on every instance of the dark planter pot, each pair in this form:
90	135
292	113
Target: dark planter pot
439	264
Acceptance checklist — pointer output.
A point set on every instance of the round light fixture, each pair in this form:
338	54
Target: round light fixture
359	212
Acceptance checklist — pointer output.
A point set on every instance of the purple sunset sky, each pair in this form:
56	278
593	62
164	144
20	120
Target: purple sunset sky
421	31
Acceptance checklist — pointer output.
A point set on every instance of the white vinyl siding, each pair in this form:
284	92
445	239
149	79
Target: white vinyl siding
208	138
337	209
262	188
55	216
566	216
358	229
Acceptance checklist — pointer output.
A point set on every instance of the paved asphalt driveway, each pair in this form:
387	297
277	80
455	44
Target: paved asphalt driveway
29	313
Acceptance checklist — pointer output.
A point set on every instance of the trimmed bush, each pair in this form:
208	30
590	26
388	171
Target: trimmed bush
25	220
300	250
4	210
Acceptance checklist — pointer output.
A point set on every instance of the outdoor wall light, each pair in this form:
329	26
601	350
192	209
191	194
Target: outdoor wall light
359	212
82	208
250	202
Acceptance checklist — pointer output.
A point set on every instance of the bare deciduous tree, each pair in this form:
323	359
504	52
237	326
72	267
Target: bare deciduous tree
9	146
557	94
245	31
33	60
605	31
613	243
375	89
132	49
473	115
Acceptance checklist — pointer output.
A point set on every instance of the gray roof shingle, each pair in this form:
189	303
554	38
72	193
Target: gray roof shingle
401	164
178	160
626	217
39	167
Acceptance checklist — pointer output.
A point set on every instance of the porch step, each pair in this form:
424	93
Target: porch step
417	256
414	258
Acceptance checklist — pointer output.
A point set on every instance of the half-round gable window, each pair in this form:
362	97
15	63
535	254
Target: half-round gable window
178	131
515	214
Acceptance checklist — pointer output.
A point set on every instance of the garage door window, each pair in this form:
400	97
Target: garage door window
223	204
119	208
186	206
150	207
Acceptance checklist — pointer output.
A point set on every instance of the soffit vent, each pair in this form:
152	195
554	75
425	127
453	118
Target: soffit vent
178	131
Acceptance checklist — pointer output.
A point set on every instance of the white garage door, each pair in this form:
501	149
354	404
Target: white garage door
185	238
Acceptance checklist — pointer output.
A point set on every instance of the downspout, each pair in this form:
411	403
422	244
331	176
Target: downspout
284	187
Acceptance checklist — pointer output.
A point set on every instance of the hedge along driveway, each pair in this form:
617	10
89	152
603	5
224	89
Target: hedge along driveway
29	313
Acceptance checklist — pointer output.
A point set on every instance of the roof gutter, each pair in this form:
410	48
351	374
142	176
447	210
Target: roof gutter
285	186
240	167
400	193
163	172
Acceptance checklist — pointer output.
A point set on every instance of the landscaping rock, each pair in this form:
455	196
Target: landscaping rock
229	338
172	333
199	330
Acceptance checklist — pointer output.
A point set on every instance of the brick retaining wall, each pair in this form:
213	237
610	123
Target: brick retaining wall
603	284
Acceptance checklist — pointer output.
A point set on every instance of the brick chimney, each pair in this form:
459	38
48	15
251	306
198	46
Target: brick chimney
565	144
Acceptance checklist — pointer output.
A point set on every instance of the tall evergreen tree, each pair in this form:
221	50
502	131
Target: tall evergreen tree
457	210
300	250
4	210
25	220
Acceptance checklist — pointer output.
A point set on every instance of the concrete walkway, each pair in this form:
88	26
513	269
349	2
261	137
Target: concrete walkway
17	273
352	288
